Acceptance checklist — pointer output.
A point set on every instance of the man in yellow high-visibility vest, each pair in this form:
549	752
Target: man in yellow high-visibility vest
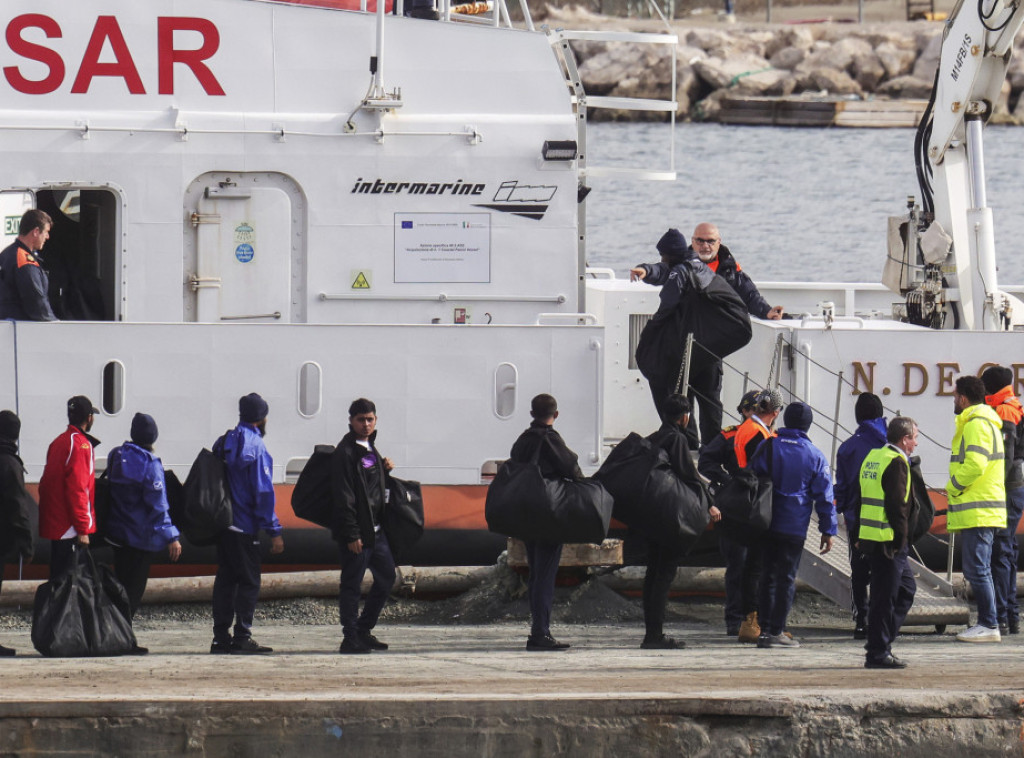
882	529
977	498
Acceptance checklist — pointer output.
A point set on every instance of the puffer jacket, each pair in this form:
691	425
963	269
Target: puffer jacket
138	514
802	483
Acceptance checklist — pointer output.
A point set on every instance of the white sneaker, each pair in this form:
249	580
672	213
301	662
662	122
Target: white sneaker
979	634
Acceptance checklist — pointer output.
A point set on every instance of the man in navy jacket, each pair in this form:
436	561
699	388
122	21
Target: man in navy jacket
870	434
801	482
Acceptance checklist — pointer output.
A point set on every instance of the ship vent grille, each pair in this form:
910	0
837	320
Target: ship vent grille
637	322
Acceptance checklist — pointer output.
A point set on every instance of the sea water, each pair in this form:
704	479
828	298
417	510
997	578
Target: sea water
792	204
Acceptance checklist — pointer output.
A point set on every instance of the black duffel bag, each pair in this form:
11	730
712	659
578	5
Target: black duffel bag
521	503
747	499
403	516
922	510
650	498
82	613
311	497
206	500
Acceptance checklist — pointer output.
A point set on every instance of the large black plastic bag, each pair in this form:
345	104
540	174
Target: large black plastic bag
716	316
82	613
650	498
403	517
922	510
311	498
206	500
747	498
521	503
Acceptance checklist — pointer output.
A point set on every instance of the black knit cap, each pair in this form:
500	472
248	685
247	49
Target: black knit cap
673	245
798	416
144	431
995	378
10	426
252	408
868	406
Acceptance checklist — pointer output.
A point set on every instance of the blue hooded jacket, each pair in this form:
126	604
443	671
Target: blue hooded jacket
138	500
801	480
851	454
250	479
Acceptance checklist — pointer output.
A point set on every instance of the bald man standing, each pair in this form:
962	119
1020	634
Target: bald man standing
706	245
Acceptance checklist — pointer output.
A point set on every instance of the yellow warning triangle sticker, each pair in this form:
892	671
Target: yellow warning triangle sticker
360	283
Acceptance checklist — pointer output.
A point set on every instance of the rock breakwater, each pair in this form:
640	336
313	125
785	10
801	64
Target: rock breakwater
870	61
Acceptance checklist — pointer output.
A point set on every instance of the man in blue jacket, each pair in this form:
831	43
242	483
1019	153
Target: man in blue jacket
138	525
250	479
801	482
870	435
24	284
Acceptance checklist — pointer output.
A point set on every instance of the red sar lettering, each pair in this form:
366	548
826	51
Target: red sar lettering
107	30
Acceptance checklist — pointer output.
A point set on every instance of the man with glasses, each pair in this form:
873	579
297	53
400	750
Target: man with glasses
706	245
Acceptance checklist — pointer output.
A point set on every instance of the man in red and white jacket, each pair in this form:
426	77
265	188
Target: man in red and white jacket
67	491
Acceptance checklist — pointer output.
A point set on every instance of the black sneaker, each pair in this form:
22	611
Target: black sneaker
547	643
665	643
354	646
220	648
138	650
1013	627
372	642
249	646
860	633
1004	629
888	662
6	652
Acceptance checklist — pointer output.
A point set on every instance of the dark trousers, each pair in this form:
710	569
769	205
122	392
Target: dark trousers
742	550
661	570
62	556
379	561
131	567
237	585
892	594
542	558
1005	559
705	393
780	562
860	577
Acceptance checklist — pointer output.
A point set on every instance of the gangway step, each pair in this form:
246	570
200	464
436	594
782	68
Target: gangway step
934	604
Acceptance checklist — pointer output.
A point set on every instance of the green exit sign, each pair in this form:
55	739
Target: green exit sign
11	224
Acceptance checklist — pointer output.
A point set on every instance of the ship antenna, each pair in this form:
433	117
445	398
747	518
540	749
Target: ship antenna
377	97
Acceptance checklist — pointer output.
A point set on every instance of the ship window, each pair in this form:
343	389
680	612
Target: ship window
82	254
310	389
113	388
506	390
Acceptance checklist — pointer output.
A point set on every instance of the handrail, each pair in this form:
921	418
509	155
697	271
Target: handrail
444	298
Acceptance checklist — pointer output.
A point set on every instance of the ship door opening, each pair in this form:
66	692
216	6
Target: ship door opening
81	255
245	256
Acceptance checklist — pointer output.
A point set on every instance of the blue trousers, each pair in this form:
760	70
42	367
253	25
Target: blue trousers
236	587
892	594
379	561
1005	559
976	556
543	558
780	562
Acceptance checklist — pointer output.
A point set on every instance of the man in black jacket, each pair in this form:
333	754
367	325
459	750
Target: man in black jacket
15	502
661	560
359	490
542	443
707	248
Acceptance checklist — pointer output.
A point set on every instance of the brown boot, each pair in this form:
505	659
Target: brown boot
749	629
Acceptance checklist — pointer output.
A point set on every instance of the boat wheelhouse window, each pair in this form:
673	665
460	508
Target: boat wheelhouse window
81	254
113	388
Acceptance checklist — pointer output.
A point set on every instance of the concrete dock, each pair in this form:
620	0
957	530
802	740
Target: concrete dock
454	690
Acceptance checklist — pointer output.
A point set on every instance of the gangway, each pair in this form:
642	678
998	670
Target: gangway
934	604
